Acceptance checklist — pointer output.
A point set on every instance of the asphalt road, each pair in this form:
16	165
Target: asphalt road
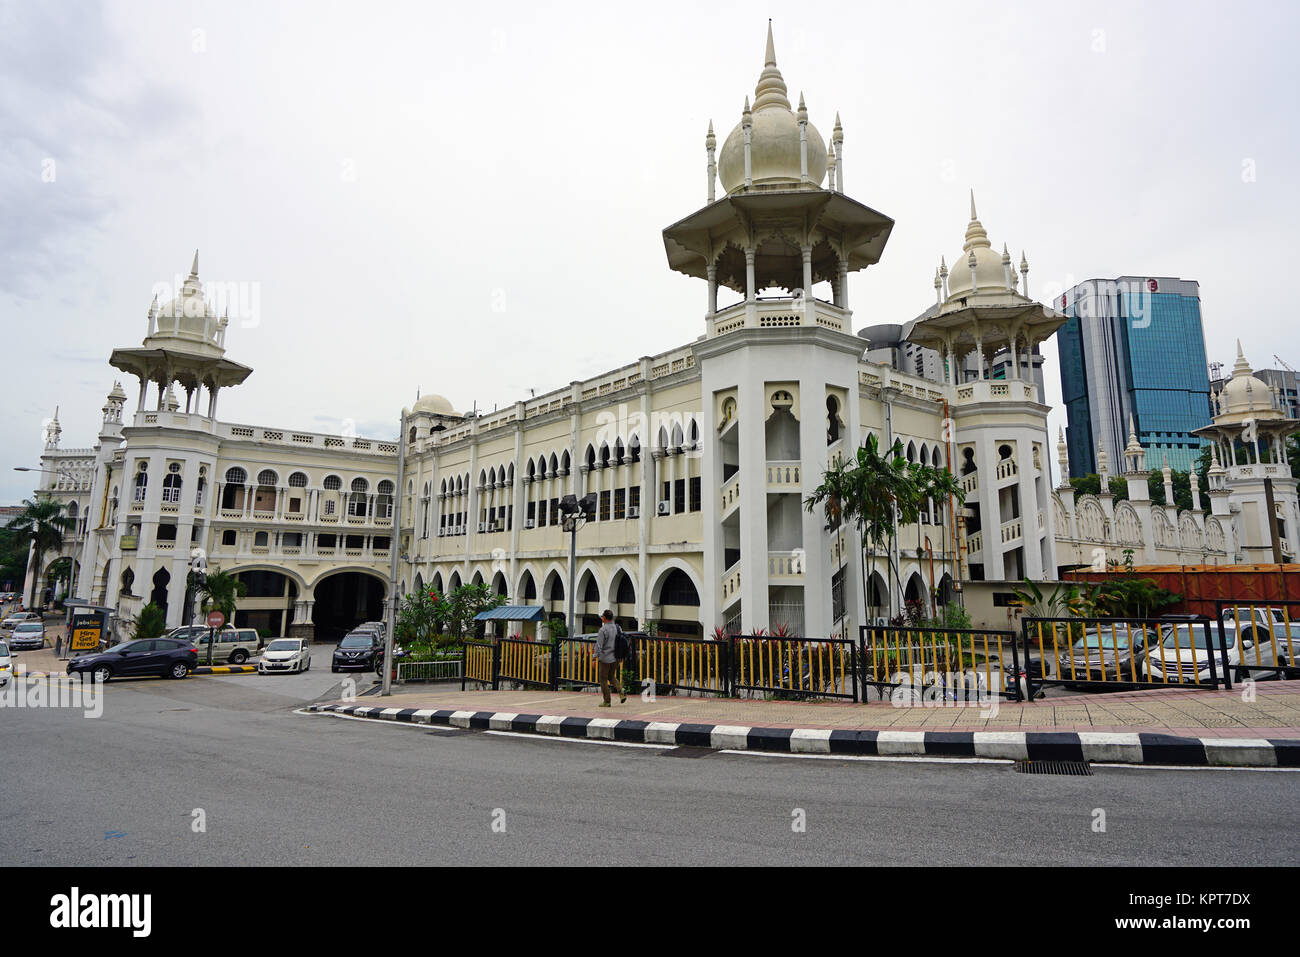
281	788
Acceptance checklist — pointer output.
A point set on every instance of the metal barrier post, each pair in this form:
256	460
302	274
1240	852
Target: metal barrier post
496	666
1223	652
464	664
555	664
1209	654
853	666
729	683
1015	664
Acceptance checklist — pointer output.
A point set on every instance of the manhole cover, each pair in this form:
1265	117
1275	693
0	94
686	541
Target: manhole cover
1054	767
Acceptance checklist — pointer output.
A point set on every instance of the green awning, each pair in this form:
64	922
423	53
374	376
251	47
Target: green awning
512	613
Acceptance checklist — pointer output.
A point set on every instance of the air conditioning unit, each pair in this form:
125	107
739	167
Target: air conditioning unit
665	508
634	511
441	532
493	527
529	523
482	526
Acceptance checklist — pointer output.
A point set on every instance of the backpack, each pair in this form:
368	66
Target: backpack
622	647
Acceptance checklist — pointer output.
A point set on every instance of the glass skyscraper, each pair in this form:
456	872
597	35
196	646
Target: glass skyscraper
1133	346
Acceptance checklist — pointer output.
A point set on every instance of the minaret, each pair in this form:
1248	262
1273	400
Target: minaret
710	144
1063	458
837	137
1134	471
53	431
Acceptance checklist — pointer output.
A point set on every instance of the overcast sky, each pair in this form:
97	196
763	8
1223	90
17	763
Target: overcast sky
468	198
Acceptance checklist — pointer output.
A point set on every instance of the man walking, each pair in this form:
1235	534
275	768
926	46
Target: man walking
609	670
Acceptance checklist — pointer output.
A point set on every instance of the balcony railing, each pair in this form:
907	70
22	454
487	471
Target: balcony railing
785	565
730	495
1012	531
731	583
784	476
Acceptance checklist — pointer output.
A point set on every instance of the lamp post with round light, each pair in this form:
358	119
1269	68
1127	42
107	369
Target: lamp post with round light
574	513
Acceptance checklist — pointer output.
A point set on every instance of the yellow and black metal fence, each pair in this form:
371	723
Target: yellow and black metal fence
1261	639
479	663
576	664
1125	652
527	662
794	667
682	664
949	664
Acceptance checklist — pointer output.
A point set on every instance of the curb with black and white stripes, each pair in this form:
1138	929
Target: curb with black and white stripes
1103	747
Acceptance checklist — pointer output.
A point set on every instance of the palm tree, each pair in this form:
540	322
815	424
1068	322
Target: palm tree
867	492
218	591
42	523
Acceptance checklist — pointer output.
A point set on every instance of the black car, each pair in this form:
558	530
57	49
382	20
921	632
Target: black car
356	652
160	657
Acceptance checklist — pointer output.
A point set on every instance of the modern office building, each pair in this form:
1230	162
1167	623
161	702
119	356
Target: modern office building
1133	346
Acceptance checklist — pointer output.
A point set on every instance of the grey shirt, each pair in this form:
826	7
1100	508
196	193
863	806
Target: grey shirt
605	642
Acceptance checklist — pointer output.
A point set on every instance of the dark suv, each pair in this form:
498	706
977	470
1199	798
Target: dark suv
161	657
356	652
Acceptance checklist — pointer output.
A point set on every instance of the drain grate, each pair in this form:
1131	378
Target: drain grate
1054	767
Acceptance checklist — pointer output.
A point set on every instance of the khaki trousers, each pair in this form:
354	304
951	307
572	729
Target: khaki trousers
610	674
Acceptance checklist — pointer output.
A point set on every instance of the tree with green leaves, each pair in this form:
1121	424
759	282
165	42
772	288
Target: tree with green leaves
41	526
420	616
150	623
467	601
217	591
868	490
1091	485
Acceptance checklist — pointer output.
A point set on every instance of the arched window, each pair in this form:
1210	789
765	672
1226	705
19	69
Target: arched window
141	486
200	487
236	476
298	480
267	477
228	537
832	420
678	589
384	501
357	503
171	491
333	483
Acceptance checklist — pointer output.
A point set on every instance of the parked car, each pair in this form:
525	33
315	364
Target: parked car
357	651
285	655
1100	656
19	616
27	635
162	657
1270	625
6	665
235	645
1183	655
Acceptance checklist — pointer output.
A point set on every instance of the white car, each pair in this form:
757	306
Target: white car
285	655
1183	655
17	618
6	665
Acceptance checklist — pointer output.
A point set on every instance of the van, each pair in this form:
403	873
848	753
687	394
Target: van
234	645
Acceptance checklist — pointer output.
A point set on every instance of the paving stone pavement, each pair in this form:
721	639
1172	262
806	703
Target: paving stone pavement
1274	712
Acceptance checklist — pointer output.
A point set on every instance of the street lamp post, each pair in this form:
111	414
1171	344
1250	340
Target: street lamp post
574	513
394	545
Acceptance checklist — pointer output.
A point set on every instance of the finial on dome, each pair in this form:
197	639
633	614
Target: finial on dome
194	269
803	109
770	90
975	234
747	114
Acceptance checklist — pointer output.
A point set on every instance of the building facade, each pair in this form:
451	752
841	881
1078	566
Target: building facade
701	458
1133	346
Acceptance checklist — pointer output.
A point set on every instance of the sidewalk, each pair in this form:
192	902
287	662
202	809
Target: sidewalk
1160	726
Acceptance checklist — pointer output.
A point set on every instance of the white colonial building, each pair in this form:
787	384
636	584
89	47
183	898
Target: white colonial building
701	458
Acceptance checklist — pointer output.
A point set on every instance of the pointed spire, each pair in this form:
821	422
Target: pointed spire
838	133
710	141
770	90
194	270
975	234
803	109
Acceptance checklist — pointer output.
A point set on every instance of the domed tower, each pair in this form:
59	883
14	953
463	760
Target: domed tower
1249	433
778	374
776	226
185	342
982	308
